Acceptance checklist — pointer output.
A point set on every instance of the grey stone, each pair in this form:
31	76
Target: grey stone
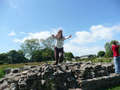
16	70
7	71
66	76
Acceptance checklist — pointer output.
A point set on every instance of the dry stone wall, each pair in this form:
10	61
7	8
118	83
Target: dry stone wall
67	76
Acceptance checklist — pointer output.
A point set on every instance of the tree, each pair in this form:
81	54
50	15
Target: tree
68	55
29	47
4	58
48	43
15	57
37	56
101	54
108	50
47	54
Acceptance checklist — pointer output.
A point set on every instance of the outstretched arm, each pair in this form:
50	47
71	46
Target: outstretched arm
68	37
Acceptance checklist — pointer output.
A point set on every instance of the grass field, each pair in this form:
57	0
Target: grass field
2	67
114	88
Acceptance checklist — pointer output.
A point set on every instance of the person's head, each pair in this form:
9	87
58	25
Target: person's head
59	34
114	42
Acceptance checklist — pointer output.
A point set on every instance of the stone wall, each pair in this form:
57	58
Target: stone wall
67	76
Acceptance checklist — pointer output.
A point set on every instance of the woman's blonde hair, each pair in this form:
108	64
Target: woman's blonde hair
59	34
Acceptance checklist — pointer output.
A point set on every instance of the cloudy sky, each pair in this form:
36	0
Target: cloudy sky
91	23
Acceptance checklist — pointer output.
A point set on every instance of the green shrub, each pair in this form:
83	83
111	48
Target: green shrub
1	62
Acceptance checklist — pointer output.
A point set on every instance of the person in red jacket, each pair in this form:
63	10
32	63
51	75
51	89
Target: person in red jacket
116	56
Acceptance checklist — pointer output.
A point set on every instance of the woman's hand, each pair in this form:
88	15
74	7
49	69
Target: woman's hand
53	35
70	36
67	37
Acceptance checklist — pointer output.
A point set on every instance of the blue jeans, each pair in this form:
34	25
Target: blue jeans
117	64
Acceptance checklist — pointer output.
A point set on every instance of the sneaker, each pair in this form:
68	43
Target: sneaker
55	63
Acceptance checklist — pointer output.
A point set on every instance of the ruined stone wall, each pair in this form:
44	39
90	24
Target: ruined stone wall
67	76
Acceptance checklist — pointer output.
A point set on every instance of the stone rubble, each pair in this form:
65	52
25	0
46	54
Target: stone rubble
66	76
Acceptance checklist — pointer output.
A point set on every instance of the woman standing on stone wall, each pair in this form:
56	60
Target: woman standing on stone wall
58	50
116	56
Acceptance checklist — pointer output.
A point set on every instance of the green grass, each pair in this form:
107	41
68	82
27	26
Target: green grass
1	73
4	66
95	60
116	88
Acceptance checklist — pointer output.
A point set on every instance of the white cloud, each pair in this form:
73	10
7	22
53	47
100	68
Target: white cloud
82	50
37	35
116	28
82	37
23	33
95	33
12	33
100	32
16	40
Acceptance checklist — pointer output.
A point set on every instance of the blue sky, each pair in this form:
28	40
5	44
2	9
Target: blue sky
91	22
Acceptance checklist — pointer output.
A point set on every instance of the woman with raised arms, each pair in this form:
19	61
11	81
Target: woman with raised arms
59	50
